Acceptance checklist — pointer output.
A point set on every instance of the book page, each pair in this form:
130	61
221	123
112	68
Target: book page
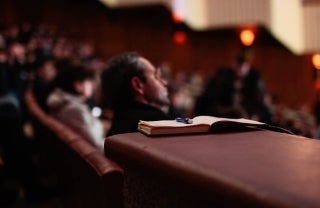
166	123
211	119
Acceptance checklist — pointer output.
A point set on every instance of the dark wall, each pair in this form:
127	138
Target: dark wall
149	30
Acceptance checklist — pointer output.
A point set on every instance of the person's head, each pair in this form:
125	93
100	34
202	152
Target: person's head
3	55
130	77
242	65
17	51
46	69
77	80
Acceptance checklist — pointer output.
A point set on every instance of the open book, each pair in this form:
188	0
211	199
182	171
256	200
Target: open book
200	124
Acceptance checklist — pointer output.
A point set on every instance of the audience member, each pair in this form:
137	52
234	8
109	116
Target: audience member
43	82
316	114
18	68
218	97
7	97
133	88
75	84
250	90
316	109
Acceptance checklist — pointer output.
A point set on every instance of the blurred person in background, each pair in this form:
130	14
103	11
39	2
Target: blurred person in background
75	85
218	96
250	90
43	82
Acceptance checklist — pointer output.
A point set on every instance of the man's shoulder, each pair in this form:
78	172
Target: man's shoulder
126	120
142	111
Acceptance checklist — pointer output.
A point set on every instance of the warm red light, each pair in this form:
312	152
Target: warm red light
317	84
177	18
247	37
180	37
316	61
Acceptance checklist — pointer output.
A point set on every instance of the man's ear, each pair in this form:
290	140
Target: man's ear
137	85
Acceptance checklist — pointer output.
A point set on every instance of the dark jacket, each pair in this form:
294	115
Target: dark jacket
126	120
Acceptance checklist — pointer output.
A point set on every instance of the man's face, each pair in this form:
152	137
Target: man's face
155	90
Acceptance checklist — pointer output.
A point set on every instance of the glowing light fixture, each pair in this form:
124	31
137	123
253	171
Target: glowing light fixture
180	37
179	10
316	61
177	18
247	37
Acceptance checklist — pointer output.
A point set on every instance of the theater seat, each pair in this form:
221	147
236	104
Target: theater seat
87	178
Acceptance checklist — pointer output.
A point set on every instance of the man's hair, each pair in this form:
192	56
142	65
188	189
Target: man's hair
116	79
71	73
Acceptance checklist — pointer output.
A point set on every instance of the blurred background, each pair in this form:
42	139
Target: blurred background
193	37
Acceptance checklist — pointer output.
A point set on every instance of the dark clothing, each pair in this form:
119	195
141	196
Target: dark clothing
41	90
4	85
126	120
317	112
18	78
253	92
217	97
252	86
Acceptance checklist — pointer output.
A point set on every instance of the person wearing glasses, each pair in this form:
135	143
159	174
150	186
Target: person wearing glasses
132	87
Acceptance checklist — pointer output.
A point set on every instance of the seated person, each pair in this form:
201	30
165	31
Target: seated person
134	90
67	103
42	84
